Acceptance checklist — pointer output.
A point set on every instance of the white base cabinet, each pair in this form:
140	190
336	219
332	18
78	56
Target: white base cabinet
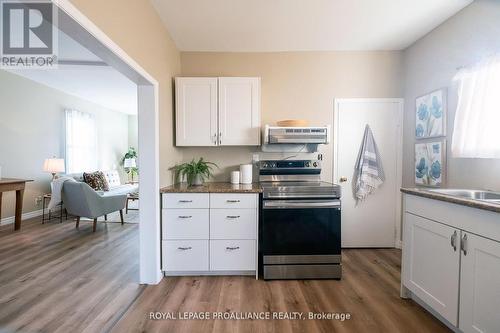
451	262
209	233
432	264
480	285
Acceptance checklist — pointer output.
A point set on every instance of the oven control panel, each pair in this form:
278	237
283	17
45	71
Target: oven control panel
286	164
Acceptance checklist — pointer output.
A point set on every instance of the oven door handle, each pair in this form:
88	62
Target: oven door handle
291	204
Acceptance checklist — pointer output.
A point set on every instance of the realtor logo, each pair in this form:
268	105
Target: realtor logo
28	34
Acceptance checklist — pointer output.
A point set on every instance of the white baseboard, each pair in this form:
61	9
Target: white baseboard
25	216
399	244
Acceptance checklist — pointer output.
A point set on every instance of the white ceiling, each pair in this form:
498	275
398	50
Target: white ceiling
99	84
301	25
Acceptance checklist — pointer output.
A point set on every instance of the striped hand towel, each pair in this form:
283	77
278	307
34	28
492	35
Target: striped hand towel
369	173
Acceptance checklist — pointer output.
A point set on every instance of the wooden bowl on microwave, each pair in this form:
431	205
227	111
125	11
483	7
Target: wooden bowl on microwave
293	123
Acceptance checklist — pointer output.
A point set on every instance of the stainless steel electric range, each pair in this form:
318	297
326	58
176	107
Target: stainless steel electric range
299	234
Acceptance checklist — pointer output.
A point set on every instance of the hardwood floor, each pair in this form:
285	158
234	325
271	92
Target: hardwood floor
55	278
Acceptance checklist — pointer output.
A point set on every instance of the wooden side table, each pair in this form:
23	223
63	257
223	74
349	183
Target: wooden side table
131	197
46	197
18	185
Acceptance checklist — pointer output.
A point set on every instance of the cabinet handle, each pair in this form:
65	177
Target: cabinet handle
233	216
185	216
185	201
463	244
220	138
232	201
232	248
215	139
185	248
454	241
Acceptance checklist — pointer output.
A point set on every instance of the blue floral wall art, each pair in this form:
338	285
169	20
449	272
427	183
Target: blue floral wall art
431	115
429	163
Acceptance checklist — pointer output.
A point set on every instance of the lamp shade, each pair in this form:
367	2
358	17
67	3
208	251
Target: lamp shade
129	163
54	165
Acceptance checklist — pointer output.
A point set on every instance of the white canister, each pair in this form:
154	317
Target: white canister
235	177
246	171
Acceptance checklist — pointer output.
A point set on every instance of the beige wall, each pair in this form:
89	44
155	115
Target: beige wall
136	27
431	63
32	129
297	85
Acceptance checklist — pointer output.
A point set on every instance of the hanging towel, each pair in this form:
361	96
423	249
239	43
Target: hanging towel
368	173
56	187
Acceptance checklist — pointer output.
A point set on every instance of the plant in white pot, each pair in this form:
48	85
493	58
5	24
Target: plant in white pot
196	172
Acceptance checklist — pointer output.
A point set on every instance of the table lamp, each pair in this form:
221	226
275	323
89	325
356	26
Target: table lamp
53	166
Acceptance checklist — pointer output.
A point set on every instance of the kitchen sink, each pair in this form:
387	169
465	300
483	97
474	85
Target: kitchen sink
471	194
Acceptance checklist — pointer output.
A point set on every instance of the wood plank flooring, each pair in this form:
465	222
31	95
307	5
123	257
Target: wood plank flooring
55	278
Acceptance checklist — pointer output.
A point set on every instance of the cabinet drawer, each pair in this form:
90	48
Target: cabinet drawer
186	200
187	255
233	223
233	200
185	223
232	255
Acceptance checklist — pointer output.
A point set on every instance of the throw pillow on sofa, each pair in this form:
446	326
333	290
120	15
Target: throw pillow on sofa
96	180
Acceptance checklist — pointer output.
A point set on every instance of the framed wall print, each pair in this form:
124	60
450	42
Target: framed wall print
430	159
430	115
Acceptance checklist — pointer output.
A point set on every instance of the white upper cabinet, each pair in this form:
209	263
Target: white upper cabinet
217	111
239	111
196	111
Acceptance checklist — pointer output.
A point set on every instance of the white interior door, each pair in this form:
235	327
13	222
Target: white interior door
375	221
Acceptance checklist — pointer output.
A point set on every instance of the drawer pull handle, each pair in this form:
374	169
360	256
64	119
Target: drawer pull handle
185	201
185	216
185	248
233	216
232	248
232	201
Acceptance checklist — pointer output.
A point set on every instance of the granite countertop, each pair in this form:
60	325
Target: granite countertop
213	188
421	192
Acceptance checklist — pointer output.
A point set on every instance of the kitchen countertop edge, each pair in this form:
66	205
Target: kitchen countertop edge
452	199
215	187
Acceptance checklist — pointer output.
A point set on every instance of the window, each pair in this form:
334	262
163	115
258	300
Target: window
476	132
81	142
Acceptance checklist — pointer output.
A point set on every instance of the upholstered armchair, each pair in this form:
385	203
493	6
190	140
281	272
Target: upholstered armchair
82	201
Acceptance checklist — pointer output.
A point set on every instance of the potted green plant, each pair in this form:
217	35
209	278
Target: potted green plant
195	171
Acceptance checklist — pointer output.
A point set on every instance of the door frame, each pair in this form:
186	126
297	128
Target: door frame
76	25
399	162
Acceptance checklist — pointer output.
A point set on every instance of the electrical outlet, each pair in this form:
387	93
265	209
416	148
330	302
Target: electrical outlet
38	201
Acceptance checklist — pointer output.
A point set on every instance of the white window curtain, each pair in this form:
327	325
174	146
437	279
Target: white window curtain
81	142
476	131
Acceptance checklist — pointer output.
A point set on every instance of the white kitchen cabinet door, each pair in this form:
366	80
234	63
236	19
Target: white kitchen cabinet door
480	285
239	111
432	263
196	111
